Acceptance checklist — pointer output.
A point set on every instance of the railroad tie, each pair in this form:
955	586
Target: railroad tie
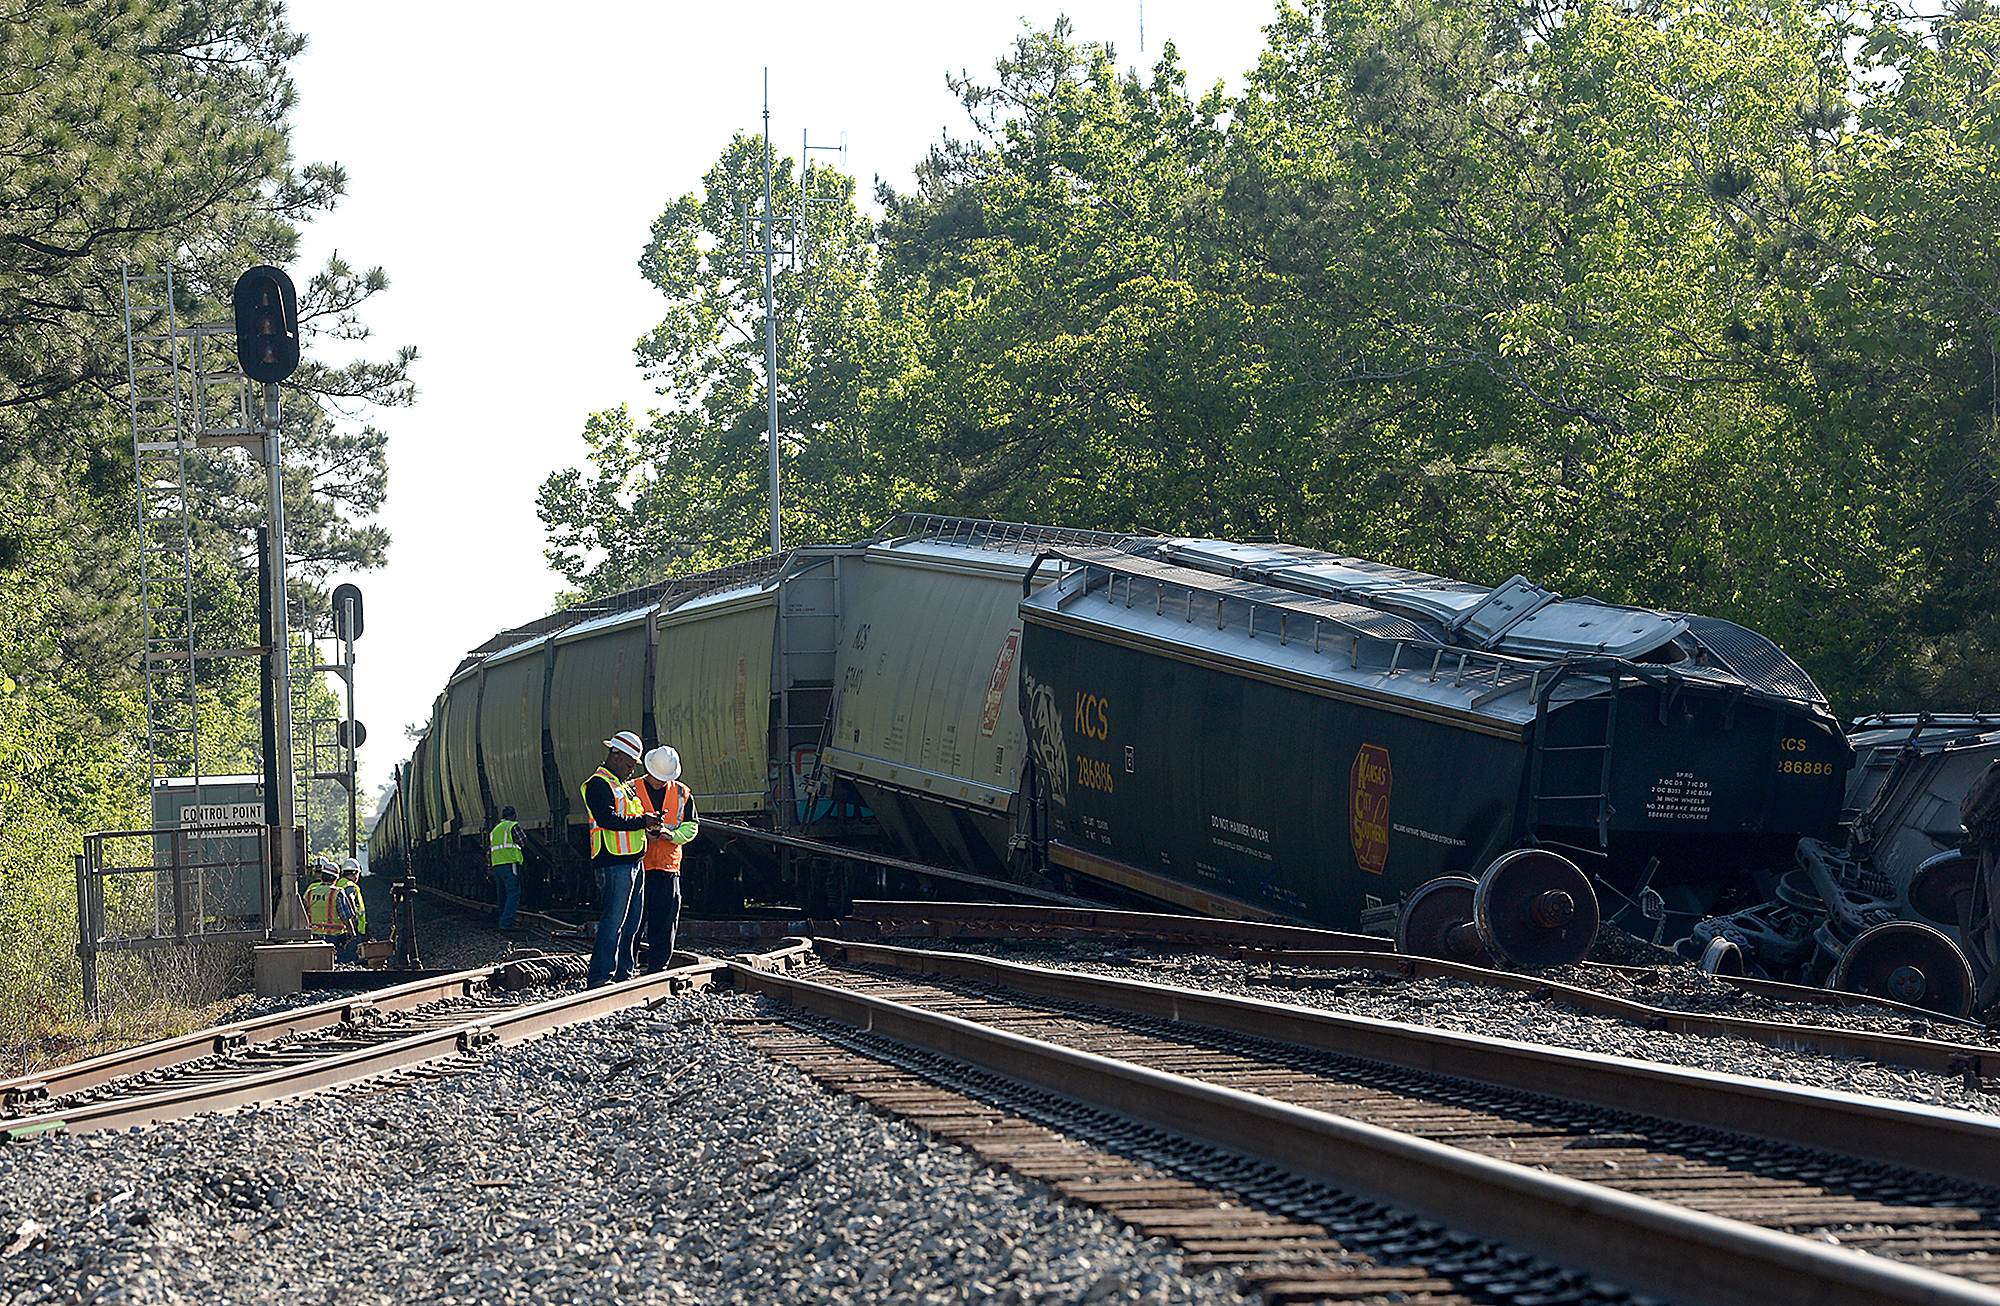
1283	1260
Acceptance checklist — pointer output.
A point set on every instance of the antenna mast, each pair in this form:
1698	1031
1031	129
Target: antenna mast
770	325
769	245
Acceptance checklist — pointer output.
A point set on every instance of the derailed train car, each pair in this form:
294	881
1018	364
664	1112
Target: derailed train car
1258	728
862	693
1251	730
1901	903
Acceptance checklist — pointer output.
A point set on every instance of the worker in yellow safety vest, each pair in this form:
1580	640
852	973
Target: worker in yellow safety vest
349	883
618	829
504	848
662	794
330	910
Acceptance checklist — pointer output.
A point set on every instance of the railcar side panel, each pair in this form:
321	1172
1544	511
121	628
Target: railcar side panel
385	850
510	733
928	701
1228	793
599	689
437	796
413	776
461	750
1706	782
712	699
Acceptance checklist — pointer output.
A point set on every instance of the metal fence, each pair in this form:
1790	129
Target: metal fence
170	886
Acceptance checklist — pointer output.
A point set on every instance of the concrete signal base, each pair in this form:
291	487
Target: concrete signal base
280	965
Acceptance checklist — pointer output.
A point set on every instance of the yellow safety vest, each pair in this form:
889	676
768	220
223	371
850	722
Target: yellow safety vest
505	845
360	903
320	912
622	844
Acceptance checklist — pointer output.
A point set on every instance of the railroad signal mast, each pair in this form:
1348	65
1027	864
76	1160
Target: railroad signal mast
221	857
267	346
348	734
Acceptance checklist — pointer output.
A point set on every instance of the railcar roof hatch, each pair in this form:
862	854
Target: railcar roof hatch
1520	617
1504	609
1587	626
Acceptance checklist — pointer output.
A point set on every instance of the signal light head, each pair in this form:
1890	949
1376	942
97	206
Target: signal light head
267	324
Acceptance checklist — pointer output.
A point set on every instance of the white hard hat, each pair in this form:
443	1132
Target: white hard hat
663	764
350	865
627	743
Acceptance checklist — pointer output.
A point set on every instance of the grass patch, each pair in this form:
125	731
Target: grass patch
144	996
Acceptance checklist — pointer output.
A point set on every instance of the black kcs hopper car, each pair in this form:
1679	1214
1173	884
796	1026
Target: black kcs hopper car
1260	727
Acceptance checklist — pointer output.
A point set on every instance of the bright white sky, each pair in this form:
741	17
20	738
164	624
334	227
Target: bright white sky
505	169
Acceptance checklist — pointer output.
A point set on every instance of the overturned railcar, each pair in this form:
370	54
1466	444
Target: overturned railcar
1262	730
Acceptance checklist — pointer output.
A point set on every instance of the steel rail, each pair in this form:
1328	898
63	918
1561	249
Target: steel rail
723	831
946	920
1279	944
485	1030
1649	1245
1939	1056
163	1054
1935	1139
1806	994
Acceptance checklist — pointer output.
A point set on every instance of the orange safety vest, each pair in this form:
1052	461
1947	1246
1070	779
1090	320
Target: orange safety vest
622	844
320	912
663	854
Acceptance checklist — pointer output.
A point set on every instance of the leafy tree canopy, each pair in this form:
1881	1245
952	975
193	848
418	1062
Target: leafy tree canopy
690	488
1675	304
144	134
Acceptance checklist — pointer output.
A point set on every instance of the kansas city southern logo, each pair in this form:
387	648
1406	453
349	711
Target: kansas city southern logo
1368	812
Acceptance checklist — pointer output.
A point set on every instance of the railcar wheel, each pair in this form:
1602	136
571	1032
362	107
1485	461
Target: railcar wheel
1436	921
1534	908
1722	957
1908	963
1941	889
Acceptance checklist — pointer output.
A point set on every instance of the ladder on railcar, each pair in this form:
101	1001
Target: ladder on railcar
808	631
1574	775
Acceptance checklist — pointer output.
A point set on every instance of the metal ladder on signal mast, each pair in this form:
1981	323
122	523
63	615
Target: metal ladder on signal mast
156	372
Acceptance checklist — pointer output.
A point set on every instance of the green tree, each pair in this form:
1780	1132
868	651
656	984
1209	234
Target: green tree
147	133
1088	351
690	489
1672	304
1879	246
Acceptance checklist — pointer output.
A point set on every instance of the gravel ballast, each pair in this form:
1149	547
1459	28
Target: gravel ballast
701	1172
652	1157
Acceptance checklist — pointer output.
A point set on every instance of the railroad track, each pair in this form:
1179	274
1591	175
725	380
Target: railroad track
1299	955
410	1029
1695	1186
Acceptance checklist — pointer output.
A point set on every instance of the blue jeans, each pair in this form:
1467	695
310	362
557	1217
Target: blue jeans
618	928
663	918
507	887
347	949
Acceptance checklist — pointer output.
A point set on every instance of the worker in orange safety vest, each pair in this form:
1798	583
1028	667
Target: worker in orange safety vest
662	794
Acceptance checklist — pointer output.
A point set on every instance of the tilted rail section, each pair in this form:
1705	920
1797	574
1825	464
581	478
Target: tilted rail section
1309	950
1651	1245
